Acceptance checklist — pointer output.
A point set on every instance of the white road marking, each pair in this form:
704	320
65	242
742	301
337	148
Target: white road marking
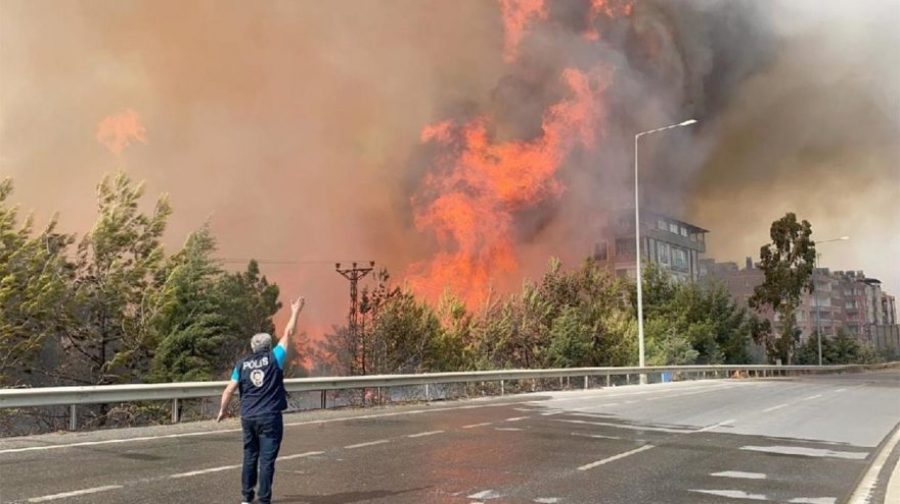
615	457
596	436
630	427
811	397
557	410
739	475
189	474
715	426
740	494
773	408
75	493
840	390
203	471
516	419
370	443
485	494
633	401
665	389
228	431
807	452
115	441
863	492
423	434
300	455
508	429
547	500
732	494
474	425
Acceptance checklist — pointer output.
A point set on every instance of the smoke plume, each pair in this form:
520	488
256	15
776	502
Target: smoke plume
296	128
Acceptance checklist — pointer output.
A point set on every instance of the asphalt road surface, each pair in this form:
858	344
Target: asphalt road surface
810	440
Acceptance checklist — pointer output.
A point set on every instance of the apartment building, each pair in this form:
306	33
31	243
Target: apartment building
841	300
673	244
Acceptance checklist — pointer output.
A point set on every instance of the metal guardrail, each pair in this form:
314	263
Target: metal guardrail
55	396
72	396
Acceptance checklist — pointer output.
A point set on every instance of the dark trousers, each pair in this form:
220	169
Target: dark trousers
262	439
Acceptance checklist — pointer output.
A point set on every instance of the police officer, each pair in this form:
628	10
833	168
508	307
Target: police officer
259	377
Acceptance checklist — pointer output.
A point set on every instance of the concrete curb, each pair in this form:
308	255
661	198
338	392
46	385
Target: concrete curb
893	488
868	485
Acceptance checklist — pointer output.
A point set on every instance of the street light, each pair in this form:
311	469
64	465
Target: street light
816	297
637	237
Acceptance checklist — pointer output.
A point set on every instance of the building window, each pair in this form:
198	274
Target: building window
673	228
683	231
679	258
600	252
661	224
662	253
625	248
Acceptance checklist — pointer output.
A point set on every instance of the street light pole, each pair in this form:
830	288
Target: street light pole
816	297
637	239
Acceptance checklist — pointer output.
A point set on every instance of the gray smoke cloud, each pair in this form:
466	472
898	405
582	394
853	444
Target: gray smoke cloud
294	126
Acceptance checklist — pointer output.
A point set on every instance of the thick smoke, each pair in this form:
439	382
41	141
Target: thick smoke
294	127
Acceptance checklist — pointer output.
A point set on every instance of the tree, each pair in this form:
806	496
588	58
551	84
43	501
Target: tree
693	322
116	274
250	302
205	316
843	349
571	341
788	264
452	347
408	329
190	327
33	280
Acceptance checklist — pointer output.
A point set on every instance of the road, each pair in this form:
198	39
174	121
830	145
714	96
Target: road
802	440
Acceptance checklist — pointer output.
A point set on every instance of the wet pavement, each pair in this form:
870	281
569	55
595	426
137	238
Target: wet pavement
803	440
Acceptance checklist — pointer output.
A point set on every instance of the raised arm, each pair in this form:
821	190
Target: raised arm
291	327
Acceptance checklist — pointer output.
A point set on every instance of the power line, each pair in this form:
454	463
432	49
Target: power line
233	260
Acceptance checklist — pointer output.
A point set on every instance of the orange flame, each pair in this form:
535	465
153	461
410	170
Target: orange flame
118	131
477	185
608	8
517	15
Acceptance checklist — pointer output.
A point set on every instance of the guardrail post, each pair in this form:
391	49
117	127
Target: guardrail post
324	399
427	393
628	378
585	383
502	387
175	410
608	379
73	418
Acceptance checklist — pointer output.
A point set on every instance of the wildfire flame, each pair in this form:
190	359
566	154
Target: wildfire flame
608	8
517	15
119	130
476	186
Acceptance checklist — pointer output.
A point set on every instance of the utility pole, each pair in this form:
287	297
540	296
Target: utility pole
358	350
